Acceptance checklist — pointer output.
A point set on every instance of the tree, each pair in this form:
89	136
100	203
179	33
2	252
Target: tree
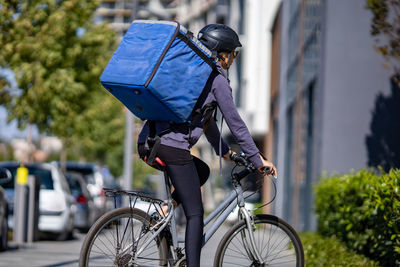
57	54
99	132
385	26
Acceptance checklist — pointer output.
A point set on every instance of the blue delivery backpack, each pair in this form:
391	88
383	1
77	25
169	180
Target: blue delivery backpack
159	71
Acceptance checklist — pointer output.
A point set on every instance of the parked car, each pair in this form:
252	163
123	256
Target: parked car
97	178
5	176
56	204
85	214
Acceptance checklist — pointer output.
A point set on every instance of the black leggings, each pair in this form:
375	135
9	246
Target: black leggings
187	174
202	169
186	181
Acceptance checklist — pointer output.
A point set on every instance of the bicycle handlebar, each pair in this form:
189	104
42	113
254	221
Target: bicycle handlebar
241	159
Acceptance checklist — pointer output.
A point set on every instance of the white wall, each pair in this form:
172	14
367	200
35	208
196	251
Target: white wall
256	68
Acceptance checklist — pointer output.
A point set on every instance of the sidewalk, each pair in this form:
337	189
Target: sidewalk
44	253
66	253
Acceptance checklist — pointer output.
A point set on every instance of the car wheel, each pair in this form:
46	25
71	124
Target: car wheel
4	233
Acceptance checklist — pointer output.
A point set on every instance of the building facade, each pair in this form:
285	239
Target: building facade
326	77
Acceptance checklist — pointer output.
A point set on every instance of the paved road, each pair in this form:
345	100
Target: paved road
66	254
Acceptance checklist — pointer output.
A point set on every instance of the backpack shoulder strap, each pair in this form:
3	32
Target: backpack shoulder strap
198	109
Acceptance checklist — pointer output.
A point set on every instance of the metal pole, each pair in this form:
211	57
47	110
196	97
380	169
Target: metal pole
129	131
128	162
33	210
20	206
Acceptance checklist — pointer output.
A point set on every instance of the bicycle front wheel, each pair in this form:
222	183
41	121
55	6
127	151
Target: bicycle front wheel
275	240
117	239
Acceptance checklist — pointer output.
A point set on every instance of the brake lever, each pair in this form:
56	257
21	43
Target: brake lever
267	169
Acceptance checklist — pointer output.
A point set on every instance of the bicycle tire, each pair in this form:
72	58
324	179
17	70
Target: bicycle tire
277	242
118	228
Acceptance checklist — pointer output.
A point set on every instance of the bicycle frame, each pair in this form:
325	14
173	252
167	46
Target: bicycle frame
221	212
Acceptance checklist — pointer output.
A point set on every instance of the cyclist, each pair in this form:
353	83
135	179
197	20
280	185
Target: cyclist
188	173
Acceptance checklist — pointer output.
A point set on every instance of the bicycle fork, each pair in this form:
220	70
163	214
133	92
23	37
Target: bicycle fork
251	248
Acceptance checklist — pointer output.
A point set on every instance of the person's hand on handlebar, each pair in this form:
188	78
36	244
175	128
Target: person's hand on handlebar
228	154
268	167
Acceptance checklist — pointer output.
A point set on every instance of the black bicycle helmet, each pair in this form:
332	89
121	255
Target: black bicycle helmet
219	38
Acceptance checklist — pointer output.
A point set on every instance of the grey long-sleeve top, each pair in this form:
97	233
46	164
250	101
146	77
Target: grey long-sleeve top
221	93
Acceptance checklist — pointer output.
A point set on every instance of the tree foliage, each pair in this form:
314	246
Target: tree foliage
329	251
362	210
385	26
99	133
57	54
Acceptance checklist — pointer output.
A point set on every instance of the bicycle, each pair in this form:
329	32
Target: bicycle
132	237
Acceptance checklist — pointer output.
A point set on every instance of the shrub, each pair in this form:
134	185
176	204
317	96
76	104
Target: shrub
329	251
363	210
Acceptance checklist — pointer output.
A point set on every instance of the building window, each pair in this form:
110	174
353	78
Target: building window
109	18
311	58
307	192
127	19
275	140
288	179
205	18
109	5
238	68
221	19
312	15
292	78
294	35
242	11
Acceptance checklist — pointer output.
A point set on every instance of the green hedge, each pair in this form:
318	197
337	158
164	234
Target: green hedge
329	251
363	210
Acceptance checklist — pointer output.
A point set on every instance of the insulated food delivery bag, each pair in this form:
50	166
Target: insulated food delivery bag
158	71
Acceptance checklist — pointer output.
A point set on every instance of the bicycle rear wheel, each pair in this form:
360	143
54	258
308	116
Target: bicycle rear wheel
117	237
276	241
